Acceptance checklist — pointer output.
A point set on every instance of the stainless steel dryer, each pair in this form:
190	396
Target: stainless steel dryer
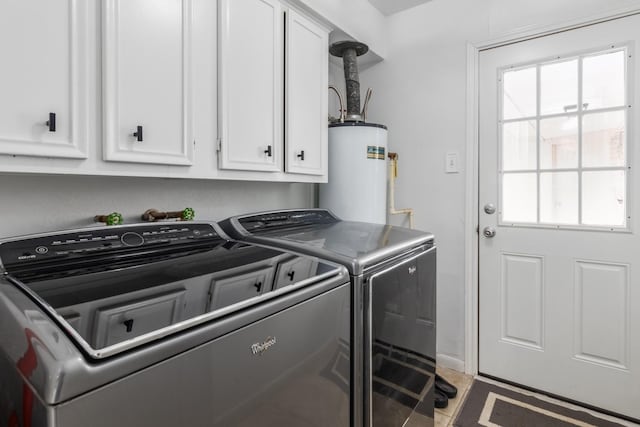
169	325
393	277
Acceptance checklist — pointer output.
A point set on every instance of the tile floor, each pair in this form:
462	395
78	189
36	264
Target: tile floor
444	417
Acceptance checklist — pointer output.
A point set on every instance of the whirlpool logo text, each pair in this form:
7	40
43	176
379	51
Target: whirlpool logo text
259	348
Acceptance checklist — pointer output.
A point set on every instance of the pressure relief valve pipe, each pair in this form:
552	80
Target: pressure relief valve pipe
393	174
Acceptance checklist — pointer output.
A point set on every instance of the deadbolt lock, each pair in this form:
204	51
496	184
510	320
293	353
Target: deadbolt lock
490	208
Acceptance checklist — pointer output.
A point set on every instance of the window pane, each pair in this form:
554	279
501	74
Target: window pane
519	145
603	80
519	93
559	197
559	142
603	139
519	197
559	87
603	198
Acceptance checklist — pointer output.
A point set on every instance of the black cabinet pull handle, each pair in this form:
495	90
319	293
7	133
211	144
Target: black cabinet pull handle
301	155
291	274
258	286
138	133
128	324
268	151
52	122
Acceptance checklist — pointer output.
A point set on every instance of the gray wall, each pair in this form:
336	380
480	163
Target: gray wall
33	203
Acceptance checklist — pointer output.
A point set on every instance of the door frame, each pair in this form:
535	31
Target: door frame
471	237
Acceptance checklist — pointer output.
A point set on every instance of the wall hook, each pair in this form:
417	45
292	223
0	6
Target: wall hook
152	215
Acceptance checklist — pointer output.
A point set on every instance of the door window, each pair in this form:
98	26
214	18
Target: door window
563	141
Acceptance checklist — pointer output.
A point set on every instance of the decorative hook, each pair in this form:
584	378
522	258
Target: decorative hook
114	218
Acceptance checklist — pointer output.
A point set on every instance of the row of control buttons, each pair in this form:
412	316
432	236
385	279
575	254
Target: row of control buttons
83	240
92	249
175	230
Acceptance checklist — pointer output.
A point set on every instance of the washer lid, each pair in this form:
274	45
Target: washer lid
149	282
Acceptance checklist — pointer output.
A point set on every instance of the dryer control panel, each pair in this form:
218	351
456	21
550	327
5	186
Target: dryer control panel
294	219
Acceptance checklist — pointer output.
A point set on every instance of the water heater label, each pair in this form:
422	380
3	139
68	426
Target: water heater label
374	152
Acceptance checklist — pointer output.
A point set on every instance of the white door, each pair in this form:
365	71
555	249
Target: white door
250	88
43	81
147	81
306	95
559	281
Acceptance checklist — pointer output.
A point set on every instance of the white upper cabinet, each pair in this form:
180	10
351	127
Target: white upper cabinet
43	79
306	96
202	89
147	97
269	53
250	90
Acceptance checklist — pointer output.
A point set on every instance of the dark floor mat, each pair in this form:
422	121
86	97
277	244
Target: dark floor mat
489	404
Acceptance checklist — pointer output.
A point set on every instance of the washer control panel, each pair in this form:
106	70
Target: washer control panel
82	243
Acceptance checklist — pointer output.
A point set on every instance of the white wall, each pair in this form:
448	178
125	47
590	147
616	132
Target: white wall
31	203
357	18
420	93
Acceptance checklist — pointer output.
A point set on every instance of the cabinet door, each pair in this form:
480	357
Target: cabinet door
147	81
307	80
250	84
44	58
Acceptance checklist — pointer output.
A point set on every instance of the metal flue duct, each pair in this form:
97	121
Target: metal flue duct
349	52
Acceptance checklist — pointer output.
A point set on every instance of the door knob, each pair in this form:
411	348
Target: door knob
489	232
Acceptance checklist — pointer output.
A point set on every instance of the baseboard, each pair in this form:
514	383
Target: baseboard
449	362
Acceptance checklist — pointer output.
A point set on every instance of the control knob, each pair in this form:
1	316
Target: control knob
132	239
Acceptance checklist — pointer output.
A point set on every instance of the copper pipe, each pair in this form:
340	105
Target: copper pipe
342	111
367	98
393	174
153	215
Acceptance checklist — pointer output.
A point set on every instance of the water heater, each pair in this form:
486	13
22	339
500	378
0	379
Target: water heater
357	187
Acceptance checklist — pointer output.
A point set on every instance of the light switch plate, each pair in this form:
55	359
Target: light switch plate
451	162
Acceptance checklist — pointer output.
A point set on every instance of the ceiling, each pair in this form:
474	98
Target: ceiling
389	7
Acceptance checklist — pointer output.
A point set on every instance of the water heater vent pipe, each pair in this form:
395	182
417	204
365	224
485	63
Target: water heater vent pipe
349	52
393	174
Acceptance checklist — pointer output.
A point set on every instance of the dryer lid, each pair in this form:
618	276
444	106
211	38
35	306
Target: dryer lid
357	245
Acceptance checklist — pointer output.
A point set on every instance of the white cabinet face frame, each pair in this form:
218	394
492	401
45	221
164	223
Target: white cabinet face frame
119	144
41	77
306	96
250	85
